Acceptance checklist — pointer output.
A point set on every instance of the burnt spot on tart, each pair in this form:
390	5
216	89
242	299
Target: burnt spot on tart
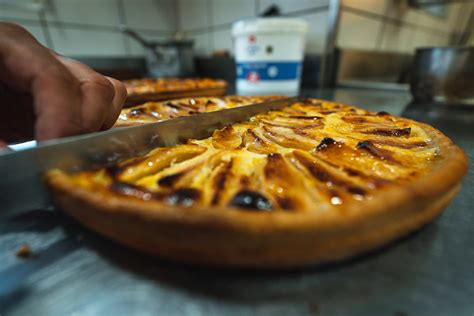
112	170
375	151
209	102
183	197
395	132
326	143
170	180
251	200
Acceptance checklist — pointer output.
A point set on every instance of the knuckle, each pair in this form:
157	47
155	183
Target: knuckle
59	73
121	90
102	86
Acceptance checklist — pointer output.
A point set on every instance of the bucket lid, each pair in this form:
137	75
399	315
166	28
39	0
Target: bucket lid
269	25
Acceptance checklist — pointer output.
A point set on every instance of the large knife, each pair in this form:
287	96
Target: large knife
21	173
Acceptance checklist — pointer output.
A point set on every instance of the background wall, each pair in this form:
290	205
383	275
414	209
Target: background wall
89	27
213	32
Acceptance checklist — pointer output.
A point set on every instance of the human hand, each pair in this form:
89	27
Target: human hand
44	95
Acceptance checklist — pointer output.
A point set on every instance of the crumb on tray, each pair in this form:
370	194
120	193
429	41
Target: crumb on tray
24	251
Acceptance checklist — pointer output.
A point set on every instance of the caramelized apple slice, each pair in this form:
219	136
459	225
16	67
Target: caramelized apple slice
155	161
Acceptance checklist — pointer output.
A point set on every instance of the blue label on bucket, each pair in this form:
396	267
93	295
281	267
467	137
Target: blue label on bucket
256	71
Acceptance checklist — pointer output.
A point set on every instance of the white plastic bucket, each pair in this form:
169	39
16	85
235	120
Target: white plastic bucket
269	55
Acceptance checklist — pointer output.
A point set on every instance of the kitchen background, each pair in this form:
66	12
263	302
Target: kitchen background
88	27
374	43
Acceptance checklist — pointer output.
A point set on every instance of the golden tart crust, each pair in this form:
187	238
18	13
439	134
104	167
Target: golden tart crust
145	90
312	183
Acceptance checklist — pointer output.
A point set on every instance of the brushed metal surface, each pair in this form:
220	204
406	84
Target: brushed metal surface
21	184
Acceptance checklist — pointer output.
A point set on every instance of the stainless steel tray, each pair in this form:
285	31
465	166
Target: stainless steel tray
76	272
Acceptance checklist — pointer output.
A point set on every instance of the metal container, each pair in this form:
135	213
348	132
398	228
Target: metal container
173	58
444	75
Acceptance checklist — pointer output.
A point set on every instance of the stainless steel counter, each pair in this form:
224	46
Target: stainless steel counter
76	272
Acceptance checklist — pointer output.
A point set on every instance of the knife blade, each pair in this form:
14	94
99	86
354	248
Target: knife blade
21	185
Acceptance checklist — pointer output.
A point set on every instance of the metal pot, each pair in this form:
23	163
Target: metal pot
444	75
172	58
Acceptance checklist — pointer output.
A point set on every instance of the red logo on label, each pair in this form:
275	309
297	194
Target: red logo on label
253	76
252	39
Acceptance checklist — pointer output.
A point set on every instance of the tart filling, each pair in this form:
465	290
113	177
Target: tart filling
308	157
